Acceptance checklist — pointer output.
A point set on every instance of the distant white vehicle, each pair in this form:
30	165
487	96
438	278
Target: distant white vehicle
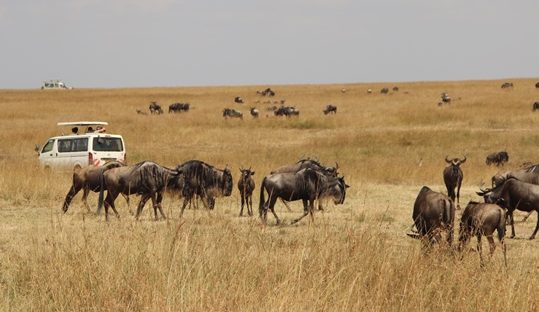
54	84
87	144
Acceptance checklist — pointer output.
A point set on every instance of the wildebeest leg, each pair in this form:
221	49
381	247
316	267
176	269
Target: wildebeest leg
69	197
250	205
186	200
510	214
492	245
159	206
242	203
536	227
143	200
85	192
458	194
109	201
527	216
479	248
128	203
271	205
305	211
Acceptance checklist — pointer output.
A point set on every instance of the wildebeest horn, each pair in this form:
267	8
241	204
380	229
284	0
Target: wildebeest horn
463	161
336	165
447	160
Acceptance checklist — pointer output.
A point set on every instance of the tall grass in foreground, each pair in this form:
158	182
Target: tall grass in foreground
189	265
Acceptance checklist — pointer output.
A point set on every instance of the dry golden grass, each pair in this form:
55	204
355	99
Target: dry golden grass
353	257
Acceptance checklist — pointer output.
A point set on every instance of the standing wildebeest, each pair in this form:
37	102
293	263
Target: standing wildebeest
506	85
267	92
238	100
535	106
307	184
87	179
178	107
395	89
246	185
498	158
482	219
537	85
514	194
145	178
330	109
433	213
308	164
287	111
384	91
445	98
254	112
204	181
141	112
232	113
155	108
453	177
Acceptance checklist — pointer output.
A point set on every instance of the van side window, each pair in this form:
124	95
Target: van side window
73	145
48	147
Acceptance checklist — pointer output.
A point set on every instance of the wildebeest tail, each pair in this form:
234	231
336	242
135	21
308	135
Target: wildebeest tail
101	191
262	200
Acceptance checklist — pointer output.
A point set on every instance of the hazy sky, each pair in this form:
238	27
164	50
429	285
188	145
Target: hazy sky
117	43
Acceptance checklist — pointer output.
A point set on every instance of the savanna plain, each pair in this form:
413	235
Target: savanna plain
353	257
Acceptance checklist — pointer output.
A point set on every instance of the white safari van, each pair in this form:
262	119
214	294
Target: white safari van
87	143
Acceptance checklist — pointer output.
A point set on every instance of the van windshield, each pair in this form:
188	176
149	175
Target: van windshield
103	144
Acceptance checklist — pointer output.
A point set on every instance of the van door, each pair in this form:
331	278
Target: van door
48	154
73	152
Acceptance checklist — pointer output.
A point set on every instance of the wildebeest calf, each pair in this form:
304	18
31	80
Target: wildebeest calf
246	186
453	176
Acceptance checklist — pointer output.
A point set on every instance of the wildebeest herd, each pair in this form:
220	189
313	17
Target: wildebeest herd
307	180
434	212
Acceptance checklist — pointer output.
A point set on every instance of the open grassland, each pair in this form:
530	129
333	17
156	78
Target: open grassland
353	257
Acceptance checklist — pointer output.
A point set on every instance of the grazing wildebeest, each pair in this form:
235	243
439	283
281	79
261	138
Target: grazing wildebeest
88	179
145	178
204	181
141	112
155	108
535	106
246	186
287	111
254	112
238	100
480	219
232	113
506	85
497	158
266	92
514	194
433	213
178	107
307	185
445	98
330	109
384	91
453	177
395	89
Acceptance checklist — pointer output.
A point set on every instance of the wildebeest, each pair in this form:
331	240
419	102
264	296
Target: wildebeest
87	179
395	89
246	186
384	91
232	113
528	174
238	100
205	181
145	178
497	158
433	213
308	164
343	90
266	92
254	112
330	109
453	176
506	85
178	107
480	219
537	85
445	98
307	185
535	106
155	108
141	112
514	194
369	91
287	111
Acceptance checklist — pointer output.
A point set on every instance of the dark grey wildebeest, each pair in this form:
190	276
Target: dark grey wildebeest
238	100
178	107
480	219
512	195
330	109
384	90
88	179
146	178
254	112
205	181
307	185
453	176
507	85
155	108
287	111
433	214
497	158
537	85
535	106
308	164
232	113
246	186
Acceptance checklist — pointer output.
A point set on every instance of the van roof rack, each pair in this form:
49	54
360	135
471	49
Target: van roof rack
83	123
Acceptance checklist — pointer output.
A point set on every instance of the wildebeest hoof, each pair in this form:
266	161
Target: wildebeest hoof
512	236
532	237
